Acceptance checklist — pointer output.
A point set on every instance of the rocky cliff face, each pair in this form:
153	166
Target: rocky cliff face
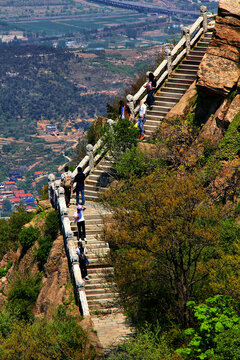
219	72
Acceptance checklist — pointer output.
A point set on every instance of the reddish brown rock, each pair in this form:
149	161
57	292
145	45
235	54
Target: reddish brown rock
218	75
229	7
233	110
219	70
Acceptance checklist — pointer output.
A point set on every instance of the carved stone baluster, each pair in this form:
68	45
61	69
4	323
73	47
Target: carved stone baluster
130	104
169	60
89	148
203	12
186	31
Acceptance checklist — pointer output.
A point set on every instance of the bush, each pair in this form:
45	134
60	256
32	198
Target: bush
215	317
52	224
62	338
50	234
6	324
45	245
229	146
3	272
135	163
28	236
147	345
22	295
119	137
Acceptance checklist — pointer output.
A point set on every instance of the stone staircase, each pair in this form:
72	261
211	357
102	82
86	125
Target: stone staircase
100	295
106	316
98	180
176	85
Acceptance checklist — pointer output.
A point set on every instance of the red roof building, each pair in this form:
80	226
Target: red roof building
14	200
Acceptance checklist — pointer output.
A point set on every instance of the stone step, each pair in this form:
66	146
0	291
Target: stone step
101	296
157	113
92	192
152	122
197	52
178	84
100	271
95	253
187	66
175	81
191	77
99	172
98	291
150	128
157	105
96	183
101	304
189	62
170	96
188	71
194	58
88	232
154	118
201	47
94	282
174	89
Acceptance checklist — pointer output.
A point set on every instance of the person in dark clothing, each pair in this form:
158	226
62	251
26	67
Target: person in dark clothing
151	87
81	252
79	180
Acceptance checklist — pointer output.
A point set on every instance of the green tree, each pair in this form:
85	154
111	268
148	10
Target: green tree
215	316
119	137
22	295
163	225
28	236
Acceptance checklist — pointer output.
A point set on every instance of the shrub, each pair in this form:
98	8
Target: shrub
135	163
119	137
145	344
229	146
45	245
50	233
52	224
4	271
28	236
22	295
214	317
62	338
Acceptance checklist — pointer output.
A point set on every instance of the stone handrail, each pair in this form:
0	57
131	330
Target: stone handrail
57	198
173	57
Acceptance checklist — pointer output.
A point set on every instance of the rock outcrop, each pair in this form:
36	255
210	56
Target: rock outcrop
219	71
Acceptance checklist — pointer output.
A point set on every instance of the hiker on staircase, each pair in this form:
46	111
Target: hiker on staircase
142	118
79	180
151	87
79	219
83	260
66	183
123	110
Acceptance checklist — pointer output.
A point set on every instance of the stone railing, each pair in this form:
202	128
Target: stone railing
173	57
57	198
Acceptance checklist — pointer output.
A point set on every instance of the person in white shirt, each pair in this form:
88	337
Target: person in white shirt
79	219
142	118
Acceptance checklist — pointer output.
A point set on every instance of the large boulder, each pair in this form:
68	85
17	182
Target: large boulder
219	70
